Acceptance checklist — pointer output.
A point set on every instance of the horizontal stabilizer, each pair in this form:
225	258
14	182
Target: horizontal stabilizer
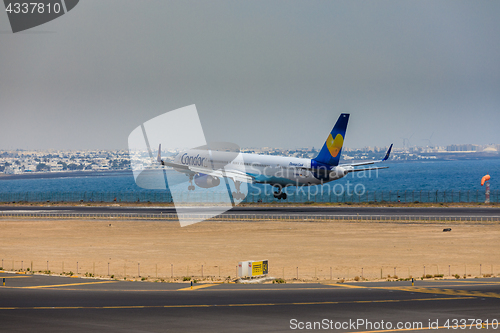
371	162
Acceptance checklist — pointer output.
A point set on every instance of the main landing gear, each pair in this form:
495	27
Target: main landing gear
279	194
191	187
238	195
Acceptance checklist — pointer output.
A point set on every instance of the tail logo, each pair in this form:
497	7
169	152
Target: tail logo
334	146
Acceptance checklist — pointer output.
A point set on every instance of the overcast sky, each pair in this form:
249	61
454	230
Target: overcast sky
261	73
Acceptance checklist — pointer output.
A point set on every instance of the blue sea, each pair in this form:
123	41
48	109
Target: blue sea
426	176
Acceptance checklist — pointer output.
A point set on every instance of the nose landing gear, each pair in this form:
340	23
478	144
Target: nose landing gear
191	187
238	195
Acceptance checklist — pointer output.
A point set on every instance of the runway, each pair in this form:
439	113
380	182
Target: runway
33	303
304	211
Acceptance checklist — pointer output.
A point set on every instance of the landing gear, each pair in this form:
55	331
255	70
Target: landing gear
238	195
279	194
191	187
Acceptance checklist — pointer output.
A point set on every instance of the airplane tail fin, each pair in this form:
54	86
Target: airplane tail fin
330	153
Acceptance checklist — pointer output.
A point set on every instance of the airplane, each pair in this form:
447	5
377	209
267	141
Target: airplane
207	166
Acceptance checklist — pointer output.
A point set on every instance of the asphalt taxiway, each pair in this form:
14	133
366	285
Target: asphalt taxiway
57	304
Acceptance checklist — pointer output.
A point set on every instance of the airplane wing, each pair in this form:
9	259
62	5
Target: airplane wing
371	162
236	175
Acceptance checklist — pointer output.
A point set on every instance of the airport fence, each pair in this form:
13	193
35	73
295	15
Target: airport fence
222	271
250	217
309	195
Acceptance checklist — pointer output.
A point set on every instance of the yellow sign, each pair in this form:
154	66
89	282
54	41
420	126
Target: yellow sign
259	268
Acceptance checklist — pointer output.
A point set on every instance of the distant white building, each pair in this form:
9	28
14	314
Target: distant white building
56	167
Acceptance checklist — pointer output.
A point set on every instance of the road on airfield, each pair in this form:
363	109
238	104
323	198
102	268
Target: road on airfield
56	304
290	211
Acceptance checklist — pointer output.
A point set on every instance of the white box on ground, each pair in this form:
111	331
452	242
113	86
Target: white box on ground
244	268
251	268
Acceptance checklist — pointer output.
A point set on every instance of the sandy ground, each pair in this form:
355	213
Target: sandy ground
320	250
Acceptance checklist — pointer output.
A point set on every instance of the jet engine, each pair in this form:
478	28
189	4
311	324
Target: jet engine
206	181
337	173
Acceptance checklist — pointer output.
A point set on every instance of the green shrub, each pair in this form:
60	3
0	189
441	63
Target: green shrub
457	276
438	275
186	278
279	281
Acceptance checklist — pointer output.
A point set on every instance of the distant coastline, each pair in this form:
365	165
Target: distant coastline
67	174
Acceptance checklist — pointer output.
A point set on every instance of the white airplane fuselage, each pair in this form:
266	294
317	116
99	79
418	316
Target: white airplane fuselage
266	169
206	166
